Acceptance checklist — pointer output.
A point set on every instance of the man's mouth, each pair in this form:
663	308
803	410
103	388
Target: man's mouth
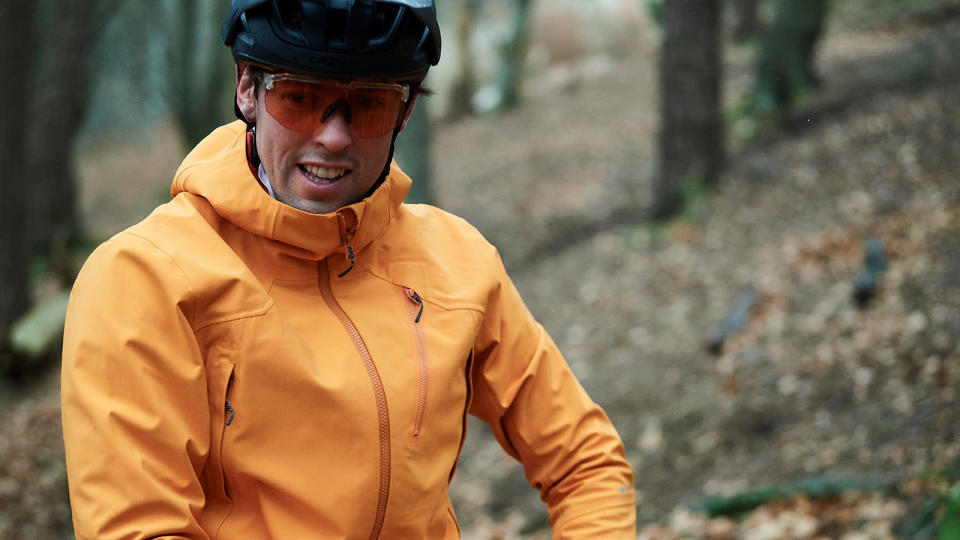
322	175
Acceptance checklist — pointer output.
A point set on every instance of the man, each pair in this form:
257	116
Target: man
285	350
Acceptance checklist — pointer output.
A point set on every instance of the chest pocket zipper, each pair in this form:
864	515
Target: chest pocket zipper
415	313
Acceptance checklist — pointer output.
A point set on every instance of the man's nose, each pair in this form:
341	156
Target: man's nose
334	132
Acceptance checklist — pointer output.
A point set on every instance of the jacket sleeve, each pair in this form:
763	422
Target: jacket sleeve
542	416
134	397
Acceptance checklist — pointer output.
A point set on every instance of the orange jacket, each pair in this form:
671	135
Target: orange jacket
226	376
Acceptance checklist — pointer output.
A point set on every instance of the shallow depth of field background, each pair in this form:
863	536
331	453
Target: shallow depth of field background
818	416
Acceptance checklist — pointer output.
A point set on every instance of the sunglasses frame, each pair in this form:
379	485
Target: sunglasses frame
271	78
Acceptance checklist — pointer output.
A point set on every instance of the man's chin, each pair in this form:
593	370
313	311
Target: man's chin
310	206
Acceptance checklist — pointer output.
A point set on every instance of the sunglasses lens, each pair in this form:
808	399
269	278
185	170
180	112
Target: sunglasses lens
302	106
375	111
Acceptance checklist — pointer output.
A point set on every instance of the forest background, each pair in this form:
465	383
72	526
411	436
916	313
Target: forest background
738	219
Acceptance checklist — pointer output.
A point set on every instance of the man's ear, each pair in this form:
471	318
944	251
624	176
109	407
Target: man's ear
247	94
406	116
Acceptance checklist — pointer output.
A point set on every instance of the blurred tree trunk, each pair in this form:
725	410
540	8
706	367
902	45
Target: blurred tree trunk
691	138
746	21
17	50
514	56
47	45
200	69
58	111
464	86
786	55
414	156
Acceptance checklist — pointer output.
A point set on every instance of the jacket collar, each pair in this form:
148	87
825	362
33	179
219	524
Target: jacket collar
217	170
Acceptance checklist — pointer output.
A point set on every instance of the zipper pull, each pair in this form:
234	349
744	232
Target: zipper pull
415	298
229	408
350	257
347	223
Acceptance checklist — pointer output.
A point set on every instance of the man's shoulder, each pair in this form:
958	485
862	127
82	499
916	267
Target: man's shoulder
432	224
436	232
178	252
177	233
185	223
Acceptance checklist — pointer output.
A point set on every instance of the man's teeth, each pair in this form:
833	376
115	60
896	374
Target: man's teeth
320	174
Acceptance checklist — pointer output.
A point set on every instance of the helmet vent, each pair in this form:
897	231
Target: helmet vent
291	15
385	20
396	39
336	26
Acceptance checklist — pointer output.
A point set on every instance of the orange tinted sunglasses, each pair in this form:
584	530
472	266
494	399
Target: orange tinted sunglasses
303	104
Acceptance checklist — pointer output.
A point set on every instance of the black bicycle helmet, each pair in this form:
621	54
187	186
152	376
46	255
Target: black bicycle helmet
343	39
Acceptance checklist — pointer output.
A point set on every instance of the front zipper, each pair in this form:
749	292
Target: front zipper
323	278
415	312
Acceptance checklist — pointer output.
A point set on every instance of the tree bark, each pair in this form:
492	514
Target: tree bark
691	137
414	156
746	21
17	51
514	56
464	86
786	56
199	67
59	110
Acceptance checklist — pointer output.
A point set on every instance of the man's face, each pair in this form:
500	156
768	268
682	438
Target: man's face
317	172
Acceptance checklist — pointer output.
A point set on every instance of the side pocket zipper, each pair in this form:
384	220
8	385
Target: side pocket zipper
468	375
223	501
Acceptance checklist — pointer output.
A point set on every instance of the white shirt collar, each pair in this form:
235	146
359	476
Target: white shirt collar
262	177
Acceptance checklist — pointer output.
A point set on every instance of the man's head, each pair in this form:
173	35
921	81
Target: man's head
329	84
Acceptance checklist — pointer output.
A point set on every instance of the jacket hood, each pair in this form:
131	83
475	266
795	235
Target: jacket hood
217	171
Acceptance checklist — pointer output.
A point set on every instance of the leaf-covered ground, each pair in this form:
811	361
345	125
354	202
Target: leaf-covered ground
812	388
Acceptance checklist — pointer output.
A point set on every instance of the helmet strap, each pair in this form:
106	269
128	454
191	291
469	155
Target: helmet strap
393	143
253	158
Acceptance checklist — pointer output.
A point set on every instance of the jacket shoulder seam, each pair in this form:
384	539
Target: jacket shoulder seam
193	299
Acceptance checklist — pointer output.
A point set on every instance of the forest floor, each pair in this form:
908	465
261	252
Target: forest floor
812	391
812	394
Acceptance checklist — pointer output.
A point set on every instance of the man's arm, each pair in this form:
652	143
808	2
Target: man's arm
134	397
542	416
